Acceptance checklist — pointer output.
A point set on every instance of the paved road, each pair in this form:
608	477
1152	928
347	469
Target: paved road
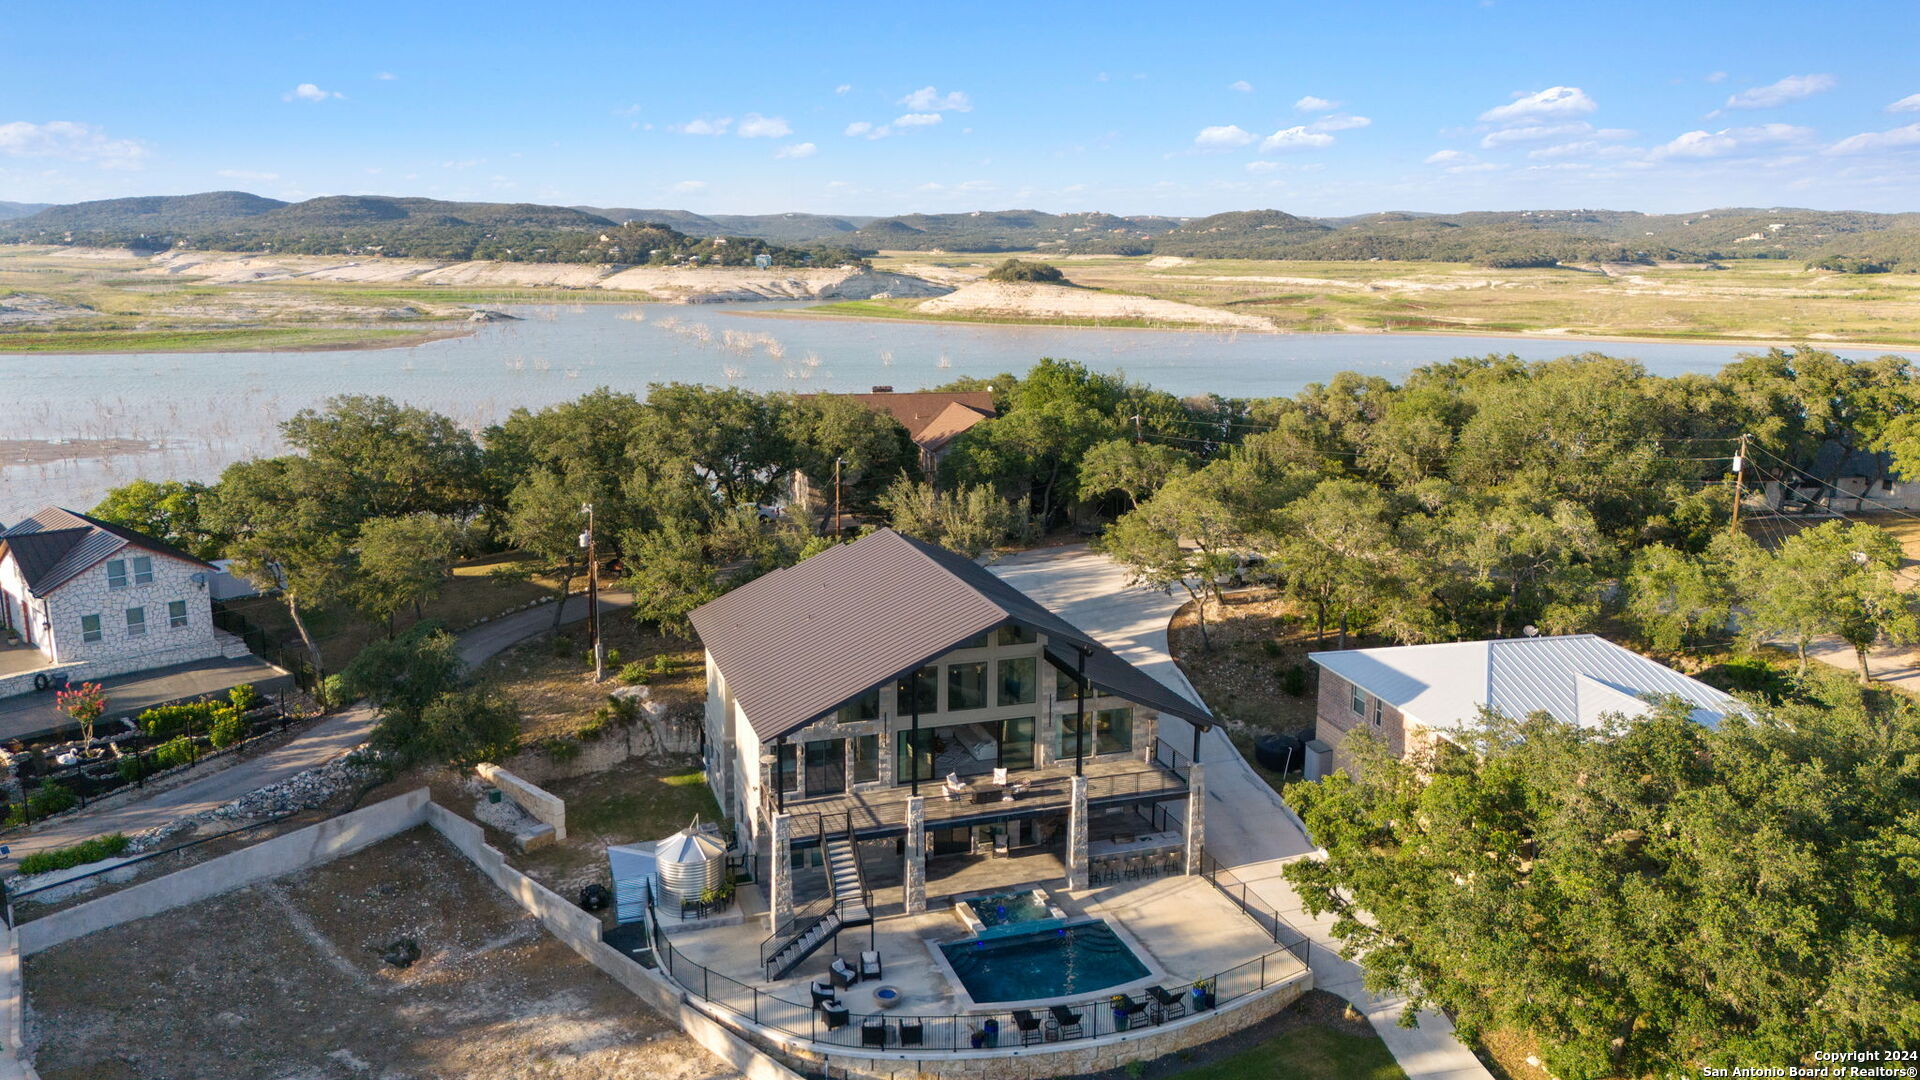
319	744
1248	828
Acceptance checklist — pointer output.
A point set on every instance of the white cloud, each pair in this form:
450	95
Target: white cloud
1715	144
1294	138
247	174
1224	135
858	127
1791	88
1715	77
1478	166
306	91
1339	123
1242	85
1260	167
1315	104
913	120
1533	133
1910	103
689	187
755	126
1443	157
74	142
843	88
1865	142
386	76
927	99
797	150
1553	102
703	126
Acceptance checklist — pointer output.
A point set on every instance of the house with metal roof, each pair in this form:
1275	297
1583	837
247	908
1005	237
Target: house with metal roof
1408	694
86	599
888	705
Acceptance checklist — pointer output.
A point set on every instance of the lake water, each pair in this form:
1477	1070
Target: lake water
202	411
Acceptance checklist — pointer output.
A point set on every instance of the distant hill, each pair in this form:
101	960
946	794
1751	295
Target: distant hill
390	225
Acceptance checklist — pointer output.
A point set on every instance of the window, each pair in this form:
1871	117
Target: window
864	707
1015	634
176	614
1065	688
1019	680
826	767
911	756
922	688
116	573
977	641
136	621
967	686
142	570
1016	743
1113	731
1359	700
1376	712
784	773
866	759
90	628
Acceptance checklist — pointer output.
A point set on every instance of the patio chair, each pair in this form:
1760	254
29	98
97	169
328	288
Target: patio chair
955	787
870	964
1029	1026
873	1032
1068	1020
1171	1005
843	973
837	1015
912	1033
1000	777
822	993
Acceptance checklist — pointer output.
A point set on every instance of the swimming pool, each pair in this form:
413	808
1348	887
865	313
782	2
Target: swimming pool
1061	961
1004	909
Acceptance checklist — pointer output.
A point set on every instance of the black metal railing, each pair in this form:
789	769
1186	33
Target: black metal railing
1248	901
288	656
792	933
1172	760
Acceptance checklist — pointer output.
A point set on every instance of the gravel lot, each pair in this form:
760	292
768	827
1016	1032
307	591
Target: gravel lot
285	981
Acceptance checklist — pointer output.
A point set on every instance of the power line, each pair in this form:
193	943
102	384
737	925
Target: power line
1836	488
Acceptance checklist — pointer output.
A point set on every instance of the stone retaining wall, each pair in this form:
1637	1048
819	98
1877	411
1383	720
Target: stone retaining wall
544	805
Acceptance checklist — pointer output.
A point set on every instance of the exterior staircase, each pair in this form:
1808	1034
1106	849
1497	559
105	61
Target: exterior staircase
849	884
848	905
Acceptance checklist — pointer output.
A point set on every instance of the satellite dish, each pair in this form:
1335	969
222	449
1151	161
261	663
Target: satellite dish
1530	630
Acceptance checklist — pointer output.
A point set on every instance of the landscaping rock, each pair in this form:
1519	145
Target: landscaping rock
402	953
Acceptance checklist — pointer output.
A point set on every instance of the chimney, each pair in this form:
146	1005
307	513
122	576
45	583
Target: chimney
883	389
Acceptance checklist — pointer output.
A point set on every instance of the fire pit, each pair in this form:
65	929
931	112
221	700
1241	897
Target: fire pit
886	996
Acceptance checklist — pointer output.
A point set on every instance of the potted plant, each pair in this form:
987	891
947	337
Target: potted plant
84	703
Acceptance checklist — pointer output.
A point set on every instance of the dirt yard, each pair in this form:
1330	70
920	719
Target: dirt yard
285	981
551	678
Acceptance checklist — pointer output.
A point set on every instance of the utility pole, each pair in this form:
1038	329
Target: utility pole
1739	480
593	599
836	498
1137	437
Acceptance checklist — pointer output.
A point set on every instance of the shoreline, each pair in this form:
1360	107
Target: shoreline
386	342
1537	335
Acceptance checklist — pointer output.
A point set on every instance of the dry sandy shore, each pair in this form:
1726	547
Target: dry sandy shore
663	283
1033	300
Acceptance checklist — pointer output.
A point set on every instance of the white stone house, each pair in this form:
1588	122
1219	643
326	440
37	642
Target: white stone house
892	696
94	599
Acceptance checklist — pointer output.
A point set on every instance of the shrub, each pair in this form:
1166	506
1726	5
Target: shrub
334	691
1293	680
1026	270
244	698
175	751
227	729
167	720
1270	647
86	851
459	727
46	800
634	674
560	750
613	657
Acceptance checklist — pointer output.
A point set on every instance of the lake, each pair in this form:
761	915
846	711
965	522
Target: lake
198	412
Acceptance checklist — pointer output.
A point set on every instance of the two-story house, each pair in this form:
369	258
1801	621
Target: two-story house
894	698
94	599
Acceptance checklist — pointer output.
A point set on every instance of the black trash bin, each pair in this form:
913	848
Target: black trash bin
1277	752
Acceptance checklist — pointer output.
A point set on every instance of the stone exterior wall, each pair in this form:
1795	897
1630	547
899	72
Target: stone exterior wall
57	628
1335	718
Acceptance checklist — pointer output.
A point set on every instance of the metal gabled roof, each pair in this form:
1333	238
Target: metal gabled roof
55	545
799	642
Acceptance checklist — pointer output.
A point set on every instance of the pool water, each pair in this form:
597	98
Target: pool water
1059	962
1006	909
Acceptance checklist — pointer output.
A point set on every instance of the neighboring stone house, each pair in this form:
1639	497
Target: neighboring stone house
95	599
933	419
1406	695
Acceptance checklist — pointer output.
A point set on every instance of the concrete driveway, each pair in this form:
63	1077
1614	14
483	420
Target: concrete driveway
1248	828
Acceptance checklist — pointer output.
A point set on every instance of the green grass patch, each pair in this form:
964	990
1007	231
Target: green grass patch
885	309
637	805
1308	1053
224	339
86	851
446	294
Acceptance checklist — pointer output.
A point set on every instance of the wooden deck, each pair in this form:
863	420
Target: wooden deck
881	812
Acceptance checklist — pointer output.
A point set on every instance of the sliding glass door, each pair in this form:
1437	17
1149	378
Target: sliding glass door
826	767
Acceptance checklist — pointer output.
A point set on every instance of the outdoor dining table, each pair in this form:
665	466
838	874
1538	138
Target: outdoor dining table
1143	844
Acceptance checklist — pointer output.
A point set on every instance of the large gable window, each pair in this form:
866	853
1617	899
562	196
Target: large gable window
1019	680
921	689
967	686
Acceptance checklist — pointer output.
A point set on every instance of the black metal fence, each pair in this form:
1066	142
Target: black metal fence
291	657
1248	901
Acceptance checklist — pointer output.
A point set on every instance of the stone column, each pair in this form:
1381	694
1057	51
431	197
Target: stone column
1196	815
1077	836
780	902
914	875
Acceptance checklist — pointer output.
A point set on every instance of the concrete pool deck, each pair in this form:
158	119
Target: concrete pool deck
1181	927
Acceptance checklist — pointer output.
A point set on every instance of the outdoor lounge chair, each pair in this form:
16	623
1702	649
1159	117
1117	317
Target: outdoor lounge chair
1171	1005
837	1015
870	964
873	1032
1029	1026
955	786
1124	1010
843	973
912	1033
1068	1020
822	993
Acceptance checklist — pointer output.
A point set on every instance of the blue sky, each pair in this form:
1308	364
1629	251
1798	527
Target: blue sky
880	108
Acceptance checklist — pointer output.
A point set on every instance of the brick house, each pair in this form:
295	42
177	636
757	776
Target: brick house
1407	695
93	599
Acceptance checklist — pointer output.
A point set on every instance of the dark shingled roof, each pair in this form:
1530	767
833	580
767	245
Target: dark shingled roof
800	642
55	545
